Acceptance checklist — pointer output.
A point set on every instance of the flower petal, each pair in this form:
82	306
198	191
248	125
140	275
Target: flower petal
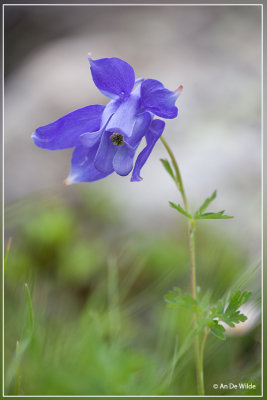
88	139
124	118
154	133
124	157
159	100
64	133
110	109
123	160
138	80
82	166
113	77
105	154
141	127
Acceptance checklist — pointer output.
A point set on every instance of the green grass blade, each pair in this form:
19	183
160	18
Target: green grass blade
30	309
8	247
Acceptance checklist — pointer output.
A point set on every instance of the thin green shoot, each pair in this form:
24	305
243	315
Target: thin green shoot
30	309
8	247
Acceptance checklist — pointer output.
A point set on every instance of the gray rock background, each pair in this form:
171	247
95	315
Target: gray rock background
213	51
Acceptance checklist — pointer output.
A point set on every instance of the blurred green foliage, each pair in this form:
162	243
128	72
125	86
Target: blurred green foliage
100	322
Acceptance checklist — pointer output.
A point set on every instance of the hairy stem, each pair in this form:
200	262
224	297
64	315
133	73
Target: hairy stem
191	227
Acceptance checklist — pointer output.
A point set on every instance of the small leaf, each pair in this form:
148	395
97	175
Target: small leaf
211	215
206	203
237	300
218	330
171	296
176	298
227	320
234	319
180	209
168	168
231	315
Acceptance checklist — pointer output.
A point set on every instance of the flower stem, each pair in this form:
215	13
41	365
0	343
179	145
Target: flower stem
207	331
179	181
201	358
191	227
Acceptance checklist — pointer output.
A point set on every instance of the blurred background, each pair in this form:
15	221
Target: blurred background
98	258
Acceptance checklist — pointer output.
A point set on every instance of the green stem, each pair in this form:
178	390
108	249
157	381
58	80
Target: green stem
207	331
179	181
201	363
191	226
192	259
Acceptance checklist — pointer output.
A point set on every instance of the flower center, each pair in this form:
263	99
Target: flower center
117	139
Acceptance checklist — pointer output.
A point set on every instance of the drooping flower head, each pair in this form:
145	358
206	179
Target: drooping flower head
106	138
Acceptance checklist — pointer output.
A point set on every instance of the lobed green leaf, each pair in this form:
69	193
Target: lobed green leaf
207	316
218	330
199	214
237	300
231	315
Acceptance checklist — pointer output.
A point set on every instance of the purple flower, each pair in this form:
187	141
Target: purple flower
105	138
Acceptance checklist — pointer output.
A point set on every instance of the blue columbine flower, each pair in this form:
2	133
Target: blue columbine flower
106	138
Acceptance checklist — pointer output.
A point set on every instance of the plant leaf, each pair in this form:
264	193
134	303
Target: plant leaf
211	215
218	330
180	209
231	315
177	298
206	203
168	168
199	214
